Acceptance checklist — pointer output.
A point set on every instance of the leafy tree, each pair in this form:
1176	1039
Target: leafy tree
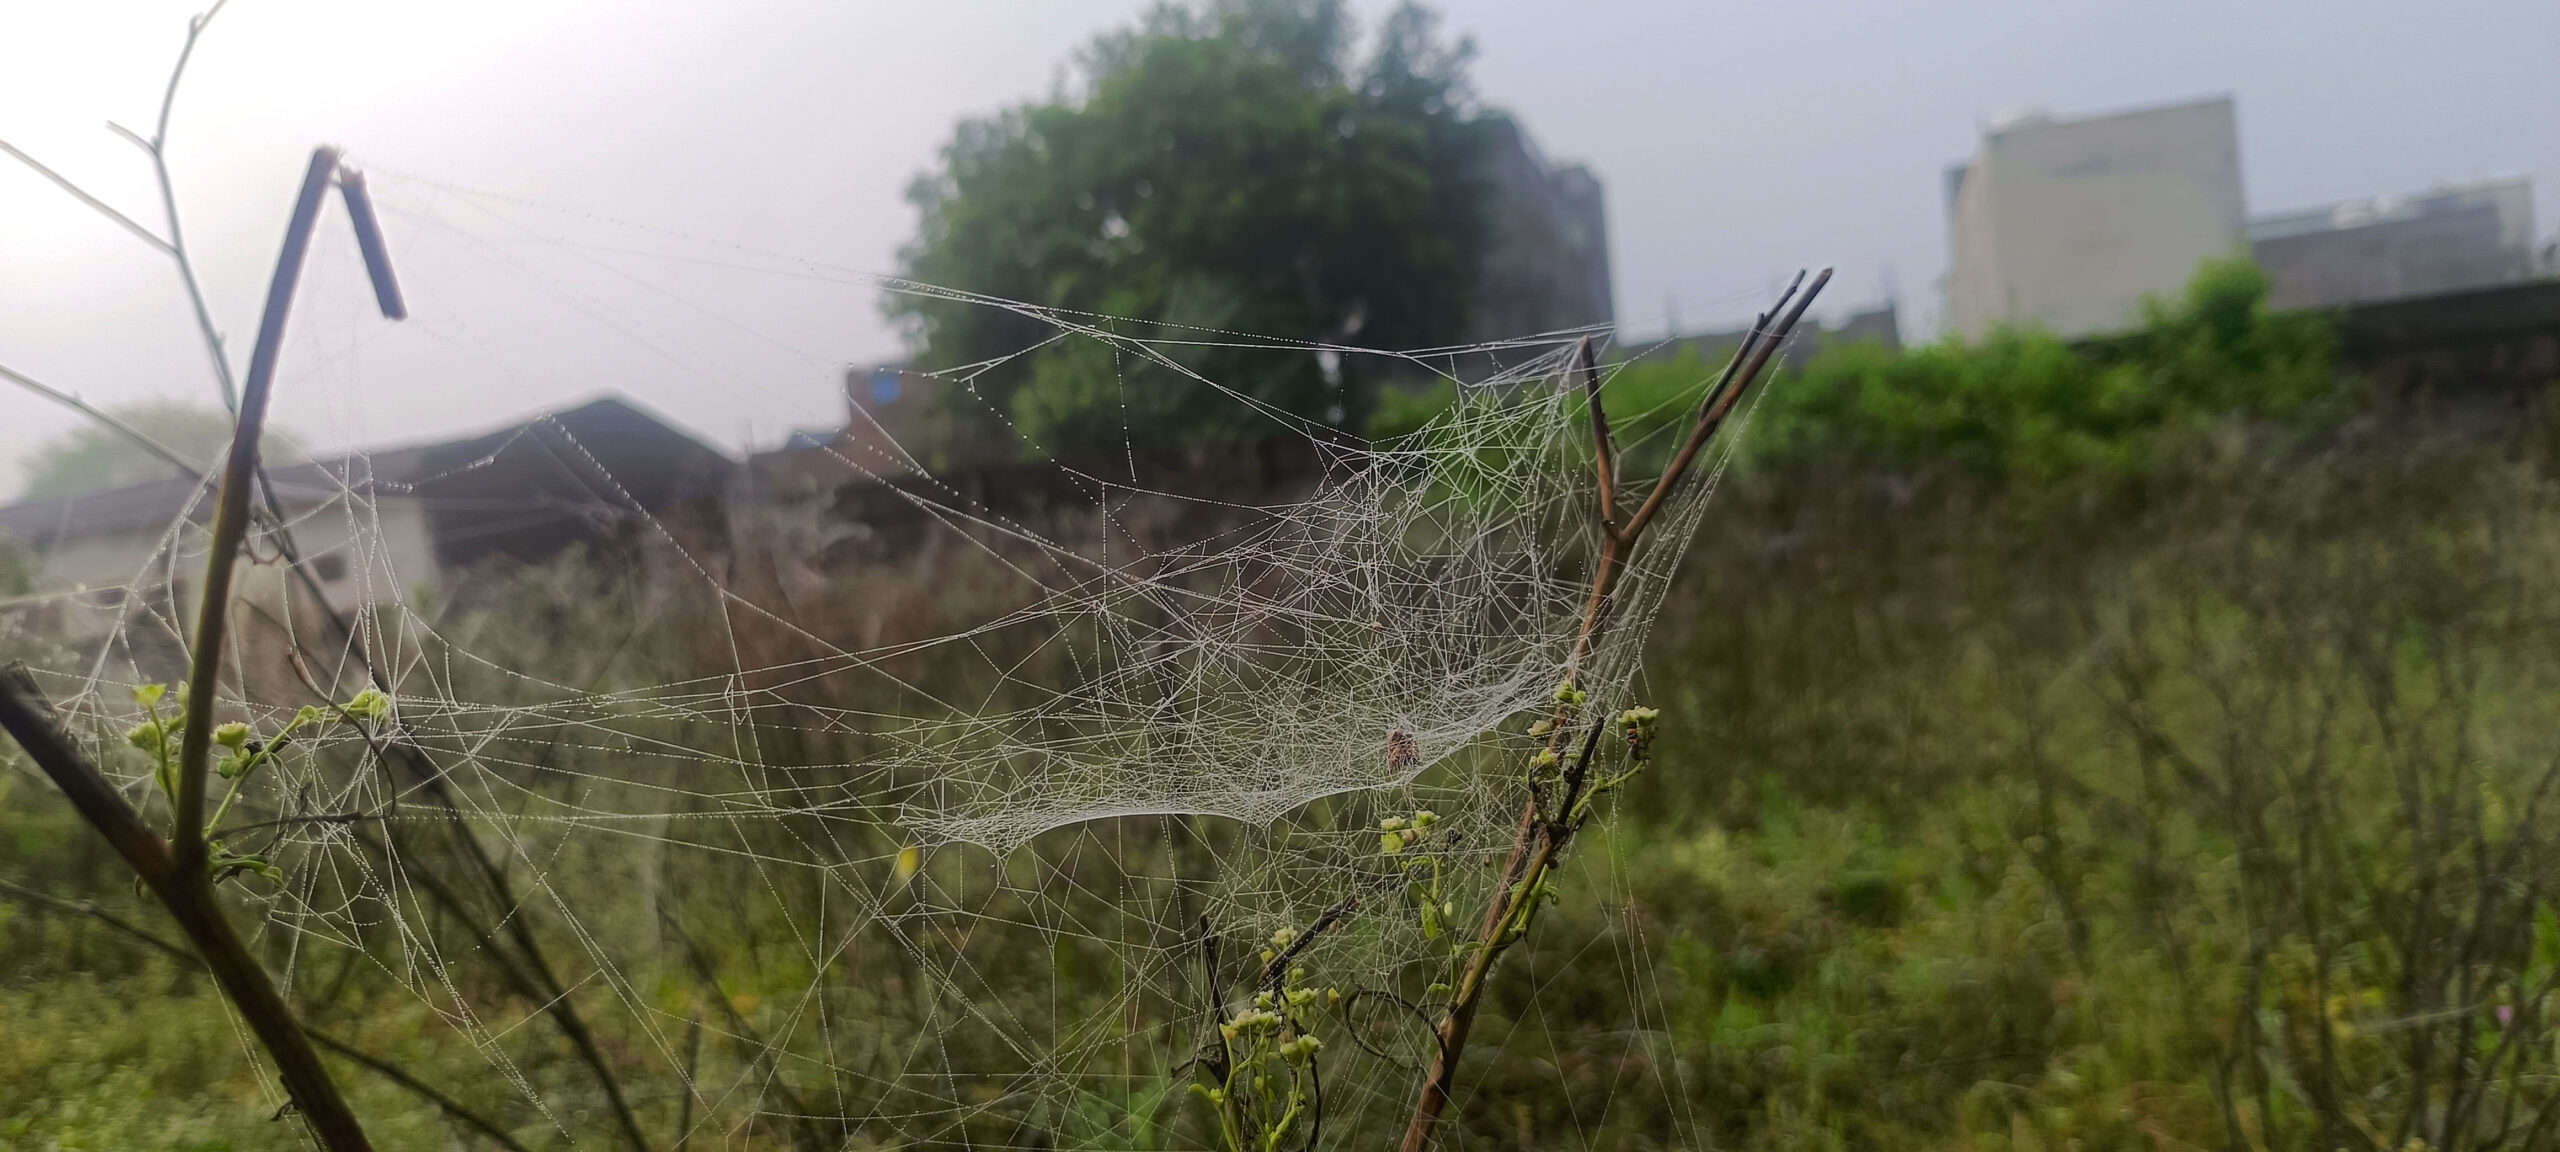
1228	168
91	457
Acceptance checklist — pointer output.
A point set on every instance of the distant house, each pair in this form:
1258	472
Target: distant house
2448	239
389	524
888	407
2069	224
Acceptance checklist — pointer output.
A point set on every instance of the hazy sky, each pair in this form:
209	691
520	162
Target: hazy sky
541	160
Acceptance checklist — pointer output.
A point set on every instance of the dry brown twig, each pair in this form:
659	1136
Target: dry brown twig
459	1112
1540	838
537	982
177	871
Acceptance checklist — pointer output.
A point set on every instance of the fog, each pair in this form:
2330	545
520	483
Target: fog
1738	141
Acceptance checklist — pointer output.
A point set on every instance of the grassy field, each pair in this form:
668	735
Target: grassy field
2154	774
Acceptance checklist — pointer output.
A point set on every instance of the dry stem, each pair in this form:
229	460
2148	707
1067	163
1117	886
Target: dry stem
552	997
1537	843
187	893
176	871
458	1111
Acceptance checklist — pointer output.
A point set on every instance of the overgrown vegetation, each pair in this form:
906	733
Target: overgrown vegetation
2169	767
2029	412
2224	825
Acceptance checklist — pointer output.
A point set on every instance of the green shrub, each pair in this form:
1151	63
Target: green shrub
2028	409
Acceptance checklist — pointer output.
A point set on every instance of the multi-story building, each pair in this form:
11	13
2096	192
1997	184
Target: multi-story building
1546	268
2069	224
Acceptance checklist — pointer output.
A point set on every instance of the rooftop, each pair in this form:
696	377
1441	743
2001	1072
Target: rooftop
605	458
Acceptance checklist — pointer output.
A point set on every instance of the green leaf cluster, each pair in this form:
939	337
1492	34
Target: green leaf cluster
241	753
1233	168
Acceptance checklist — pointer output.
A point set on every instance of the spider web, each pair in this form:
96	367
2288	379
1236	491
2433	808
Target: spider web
916	849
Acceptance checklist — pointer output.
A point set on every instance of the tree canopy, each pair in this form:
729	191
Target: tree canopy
93	457
1238	167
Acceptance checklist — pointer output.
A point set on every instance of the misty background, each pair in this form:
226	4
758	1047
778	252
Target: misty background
1737	142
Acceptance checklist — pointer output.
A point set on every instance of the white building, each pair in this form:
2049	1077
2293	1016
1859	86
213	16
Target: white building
2069	224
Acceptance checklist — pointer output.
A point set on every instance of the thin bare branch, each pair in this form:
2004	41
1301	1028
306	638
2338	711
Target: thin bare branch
692	1067
63	182
448	1105
157	148
1538	844
231	519
169	96
1213	1051
1711	417
130	137
186	469
102	916
1278	969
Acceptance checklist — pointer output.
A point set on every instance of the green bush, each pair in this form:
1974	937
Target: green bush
2026	408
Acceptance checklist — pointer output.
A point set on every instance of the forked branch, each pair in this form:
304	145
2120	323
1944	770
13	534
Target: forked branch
1541	836
179	871
1762	343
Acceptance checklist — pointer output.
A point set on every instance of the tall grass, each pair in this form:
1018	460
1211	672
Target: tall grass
2193	794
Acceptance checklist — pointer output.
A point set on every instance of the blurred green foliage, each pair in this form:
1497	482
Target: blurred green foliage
1406	410
2216	816
2022	410
2026	408
2221	823
1229	168
92	457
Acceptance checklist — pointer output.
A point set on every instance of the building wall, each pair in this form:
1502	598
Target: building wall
1586	225
890	415
2499	344
892	412
99	582
373	552
1546	268
2447	240
1975	297
2068	225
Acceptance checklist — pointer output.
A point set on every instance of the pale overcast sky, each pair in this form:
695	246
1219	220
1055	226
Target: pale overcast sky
1738	140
